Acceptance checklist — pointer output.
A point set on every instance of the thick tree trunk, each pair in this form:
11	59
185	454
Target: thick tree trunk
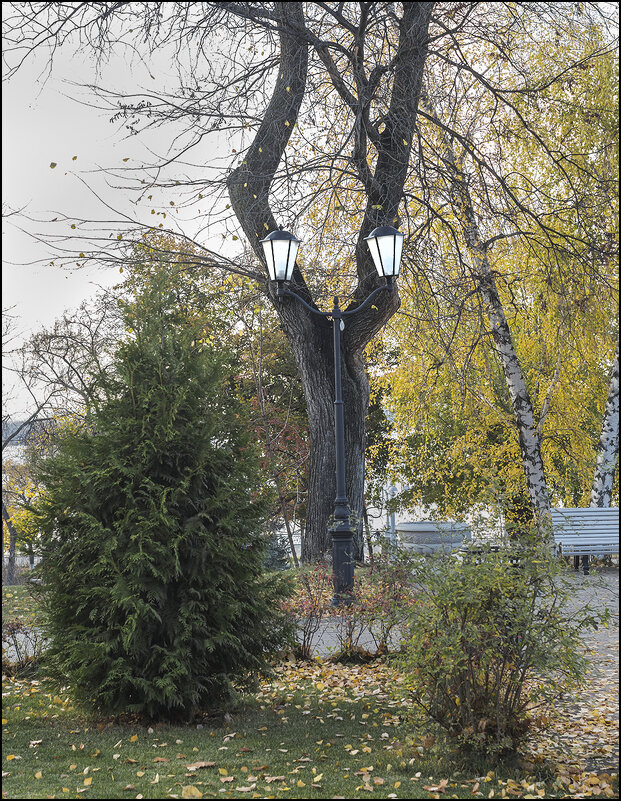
312	342
310	335
608	447
528	433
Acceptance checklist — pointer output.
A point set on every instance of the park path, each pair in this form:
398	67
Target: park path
583	732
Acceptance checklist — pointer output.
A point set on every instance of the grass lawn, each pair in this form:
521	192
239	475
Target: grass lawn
18	604
316	730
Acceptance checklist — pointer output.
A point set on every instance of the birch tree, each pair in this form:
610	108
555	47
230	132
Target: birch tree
527	425
456	429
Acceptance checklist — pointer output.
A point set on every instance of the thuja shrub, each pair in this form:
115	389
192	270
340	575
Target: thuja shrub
154	591
490	638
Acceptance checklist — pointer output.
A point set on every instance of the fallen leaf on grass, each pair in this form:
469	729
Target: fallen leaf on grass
270	779
161	759
189	791
440	788
227	778
246	789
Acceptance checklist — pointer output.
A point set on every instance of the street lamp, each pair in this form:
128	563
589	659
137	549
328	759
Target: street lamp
280	248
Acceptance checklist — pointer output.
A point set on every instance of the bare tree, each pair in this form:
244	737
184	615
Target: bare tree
16	426
321	102
66	359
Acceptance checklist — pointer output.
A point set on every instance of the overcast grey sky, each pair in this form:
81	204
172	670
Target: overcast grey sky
41	125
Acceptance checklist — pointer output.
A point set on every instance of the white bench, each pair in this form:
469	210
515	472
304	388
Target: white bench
592	531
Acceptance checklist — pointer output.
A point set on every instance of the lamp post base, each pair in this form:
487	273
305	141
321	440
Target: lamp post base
342	564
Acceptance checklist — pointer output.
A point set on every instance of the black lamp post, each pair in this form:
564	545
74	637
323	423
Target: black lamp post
281	247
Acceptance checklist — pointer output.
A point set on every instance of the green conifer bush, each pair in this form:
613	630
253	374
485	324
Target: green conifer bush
156	597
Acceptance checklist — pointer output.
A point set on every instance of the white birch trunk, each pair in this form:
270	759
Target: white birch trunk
528	434
608	447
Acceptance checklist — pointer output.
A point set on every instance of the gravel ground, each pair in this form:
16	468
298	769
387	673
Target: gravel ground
585	732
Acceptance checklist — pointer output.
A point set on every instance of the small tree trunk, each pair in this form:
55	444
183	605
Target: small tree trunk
10	573
528	435
608	446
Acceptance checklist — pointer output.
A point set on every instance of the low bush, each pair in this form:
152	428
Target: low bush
22	648
382	596
488	638
308	605
386	595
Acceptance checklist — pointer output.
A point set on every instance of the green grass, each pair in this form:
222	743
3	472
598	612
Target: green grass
344	736
323	730
18	604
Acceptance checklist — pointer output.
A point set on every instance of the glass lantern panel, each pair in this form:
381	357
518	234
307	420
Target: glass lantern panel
285	251
390	253
375	254
269	259
293	253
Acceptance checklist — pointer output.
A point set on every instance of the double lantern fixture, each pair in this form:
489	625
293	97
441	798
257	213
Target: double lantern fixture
281	249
